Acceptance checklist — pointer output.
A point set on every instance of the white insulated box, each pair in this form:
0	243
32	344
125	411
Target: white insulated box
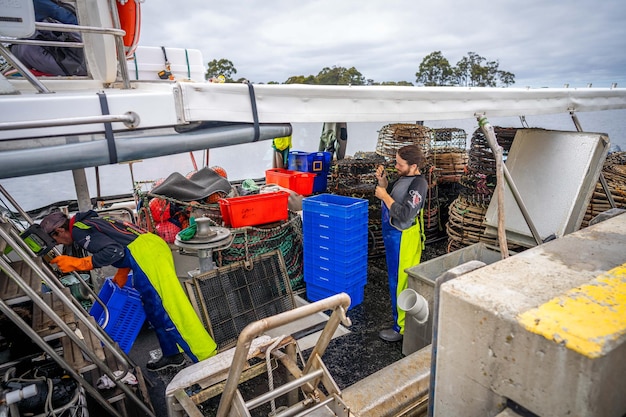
148	61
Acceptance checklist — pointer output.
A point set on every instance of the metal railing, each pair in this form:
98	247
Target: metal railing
26	72
12	239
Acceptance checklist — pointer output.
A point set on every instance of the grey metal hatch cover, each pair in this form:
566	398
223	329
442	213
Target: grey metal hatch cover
555	173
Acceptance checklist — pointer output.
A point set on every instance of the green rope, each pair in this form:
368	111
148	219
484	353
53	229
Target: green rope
253	241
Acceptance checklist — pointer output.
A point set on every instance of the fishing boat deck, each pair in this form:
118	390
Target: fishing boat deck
349	358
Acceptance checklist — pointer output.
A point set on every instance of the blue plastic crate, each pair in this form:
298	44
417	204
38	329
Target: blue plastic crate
316	293
336	264
317	162
126	314
334	209
332	280
355	224
351	248
314	236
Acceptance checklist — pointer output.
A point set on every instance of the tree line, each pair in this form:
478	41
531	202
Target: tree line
472	70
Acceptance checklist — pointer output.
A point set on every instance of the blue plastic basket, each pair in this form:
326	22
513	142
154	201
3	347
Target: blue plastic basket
335	208
326	246
315	162
126	314
316	293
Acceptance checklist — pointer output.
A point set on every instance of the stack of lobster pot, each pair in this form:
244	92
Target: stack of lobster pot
467	212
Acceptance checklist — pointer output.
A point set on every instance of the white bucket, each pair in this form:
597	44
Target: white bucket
414	305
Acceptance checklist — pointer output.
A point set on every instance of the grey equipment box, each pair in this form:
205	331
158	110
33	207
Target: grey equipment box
422	279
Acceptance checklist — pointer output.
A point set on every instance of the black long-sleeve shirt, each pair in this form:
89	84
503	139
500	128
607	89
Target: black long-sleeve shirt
409	194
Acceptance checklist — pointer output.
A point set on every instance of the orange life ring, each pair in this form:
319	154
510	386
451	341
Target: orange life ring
130	21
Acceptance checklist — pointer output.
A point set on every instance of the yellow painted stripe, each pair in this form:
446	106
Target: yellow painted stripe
586	319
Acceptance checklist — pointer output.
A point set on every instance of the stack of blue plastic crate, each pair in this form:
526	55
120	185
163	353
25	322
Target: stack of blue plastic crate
335	246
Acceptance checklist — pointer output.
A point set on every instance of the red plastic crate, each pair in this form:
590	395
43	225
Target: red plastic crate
253	210
300	182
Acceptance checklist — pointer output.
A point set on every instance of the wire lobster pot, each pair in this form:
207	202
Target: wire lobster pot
447	139
466	213
355	177
229	298
614	171
394	136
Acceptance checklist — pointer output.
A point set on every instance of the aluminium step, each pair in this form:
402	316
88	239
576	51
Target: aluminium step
10	292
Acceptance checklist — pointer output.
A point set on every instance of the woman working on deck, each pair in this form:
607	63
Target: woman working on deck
402	226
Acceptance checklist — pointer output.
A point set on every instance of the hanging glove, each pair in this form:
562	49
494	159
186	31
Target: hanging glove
121	276
189	232
69	263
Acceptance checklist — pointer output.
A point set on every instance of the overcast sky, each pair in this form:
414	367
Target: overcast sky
545	43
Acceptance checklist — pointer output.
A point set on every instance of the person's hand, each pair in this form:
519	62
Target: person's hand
121	276
381	192
69	263
381	176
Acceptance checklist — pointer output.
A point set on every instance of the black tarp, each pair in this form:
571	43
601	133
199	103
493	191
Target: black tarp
199	186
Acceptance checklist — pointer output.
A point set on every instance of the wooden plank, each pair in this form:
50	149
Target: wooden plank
143	389
188	405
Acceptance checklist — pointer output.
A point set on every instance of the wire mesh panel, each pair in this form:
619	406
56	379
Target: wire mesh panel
446	139
231	297
449	154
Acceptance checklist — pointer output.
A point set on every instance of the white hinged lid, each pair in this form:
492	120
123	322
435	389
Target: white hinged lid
555	173
17	18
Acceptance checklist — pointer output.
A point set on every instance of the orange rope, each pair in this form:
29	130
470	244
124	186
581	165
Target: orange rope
193	161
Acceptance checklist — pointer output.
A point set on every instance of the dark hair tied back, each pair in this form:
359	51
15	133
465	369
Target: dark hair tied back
412	154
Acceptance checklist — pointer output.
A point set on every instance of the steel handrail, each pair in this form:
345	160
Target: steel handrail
95	296
80	314
15	318
339	303
63	27
283	389
129	119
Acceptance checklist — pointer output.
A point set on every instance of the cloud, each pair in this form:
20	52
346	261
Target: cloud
542	43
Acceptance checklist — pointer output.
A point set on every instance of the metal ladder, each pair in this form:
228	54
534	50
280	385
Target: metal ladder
88	351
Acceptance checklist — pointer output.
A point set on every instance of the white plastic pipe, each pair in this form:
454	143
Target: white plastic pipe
414	305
